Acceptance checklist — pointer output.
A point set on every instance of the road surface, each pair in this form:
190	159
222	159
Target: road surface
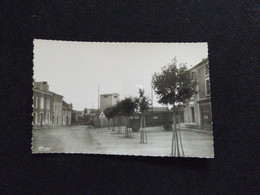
83	139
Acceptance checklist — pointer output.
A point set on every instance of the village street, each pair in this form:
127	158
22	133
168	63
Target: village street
83	139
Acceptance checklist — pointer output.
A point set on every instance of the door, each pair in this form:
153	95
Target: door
192	115
41	118
206	117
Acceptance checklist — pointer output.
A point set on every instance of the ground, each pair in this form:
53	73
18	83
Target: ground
84	139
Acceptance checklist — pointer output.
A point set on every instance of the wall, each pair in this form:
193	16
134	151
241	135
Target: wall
66	117
43	108
200	78
57	110
108	100
105	101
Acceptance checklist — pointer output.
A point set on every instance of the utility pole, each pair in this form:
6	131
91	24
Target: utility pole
152	95
98	96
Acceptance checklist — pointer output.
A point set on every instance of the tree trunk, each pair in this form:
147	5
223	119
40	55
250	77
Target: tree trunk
177	147
108	125
118	125
127	132
175	144
143	136
113	124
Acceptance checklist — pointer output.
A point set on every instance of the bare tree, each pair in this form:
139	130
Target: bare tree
143	106
119	113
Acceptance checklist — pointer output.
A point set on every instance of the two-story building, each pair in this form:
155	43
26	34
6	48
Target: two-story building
197	111
49	109
42	104
66	113
108	100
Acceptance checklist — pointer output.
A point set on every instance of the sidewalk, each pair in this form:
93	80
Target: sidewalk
198	130
48	127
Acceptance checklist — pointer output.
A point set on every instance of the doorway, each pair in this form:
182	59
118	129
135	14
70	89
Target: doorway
192	115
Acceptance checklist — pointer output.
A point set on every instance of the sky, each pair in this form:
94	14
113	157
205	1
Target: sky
75	69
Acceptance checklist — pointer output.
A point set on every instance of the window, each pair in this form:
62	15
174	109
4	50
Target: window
155	117
36	102
192	115
48	103
42	102
35	119
207	87
115	96
207	69
193	75
48	117
105	96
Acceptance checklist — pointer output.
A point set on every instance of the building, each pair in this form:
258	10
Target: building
99	119
108	100
76	117
49	109
42	104
66	113
197	111
57	109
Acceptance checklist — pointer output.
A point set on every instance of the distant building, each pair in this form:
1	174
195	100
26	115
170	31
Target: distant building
108	100
42	104
76	117
99	119
66	113
197	111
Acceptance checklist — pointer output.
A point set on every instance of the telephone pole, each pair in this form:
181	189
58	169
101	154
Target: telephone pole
152	95
98	96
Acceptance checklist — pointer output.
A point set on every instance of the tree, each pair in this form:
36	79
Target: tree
173	87
118	112
143	106
128	107
109	114
113	115
86	117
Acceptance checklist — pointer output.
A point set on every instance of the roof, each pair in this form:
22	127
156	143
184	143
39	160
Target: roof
159	109
77	111
92	110
56	94
109	94
203	62
42	91
65	105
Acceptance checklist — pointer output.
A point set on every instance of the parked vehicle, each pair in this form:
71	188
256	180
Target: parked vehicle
152	119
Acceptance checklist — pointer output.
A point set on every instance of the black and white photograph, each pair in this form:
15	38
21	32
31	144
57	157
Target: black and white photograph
122	98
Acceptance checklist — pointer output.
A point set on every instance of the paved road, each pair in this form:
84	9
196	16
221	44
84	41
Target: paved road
65	140
82	139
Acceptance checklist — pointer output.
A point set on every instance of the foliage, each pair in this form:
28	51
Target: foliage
142	101
128	106
113	111
118	109
173	85
109	112
85	112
